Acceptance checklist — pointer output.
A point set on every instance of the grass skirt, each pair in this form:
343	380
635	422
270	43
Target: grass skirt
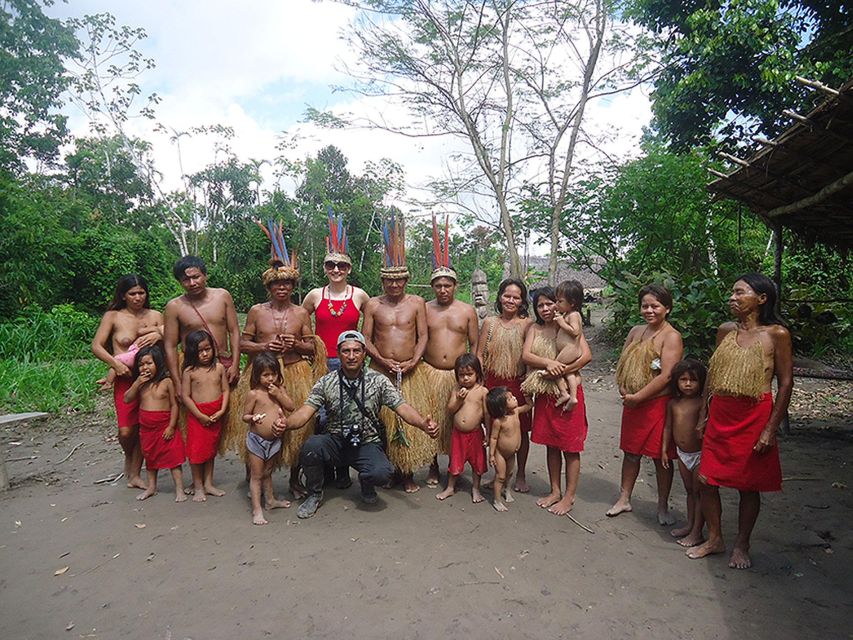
409	448
443	384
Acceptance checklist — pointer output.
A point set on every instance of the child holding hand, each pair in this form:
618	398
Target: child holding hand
682	425
204	384
468	407
569	299
264	410
504	440
162	445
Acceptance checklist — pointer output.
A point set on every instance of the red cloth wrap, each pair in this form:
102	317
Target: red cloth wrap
329	327
642	429
514	385
127	413
467	447
159	453
728	460
553	427
202	442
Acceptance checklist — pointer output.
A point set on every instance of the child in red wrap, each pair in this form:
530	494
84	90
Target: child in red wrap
162	444
204	384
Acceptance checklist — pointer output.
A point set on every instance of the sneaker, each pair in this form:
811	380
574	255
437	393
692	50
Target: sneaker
368	494
343	480
310	506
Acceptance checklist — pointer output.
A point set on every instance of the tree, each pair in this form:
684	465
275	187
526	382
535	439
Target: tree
32	80
512	80
730	66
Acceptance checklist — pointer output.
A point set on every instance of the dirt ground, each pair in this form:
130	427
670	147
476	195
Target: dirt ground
86	560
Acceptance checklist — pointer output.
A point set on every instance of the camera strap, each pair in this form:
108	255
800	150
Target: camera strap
359	402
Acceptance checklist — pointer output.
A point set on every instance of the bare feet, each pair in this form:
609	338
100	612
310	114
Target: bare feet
258	518
199	496
665	518
445	494
136	483
298	491
210	490
691	540
432	476
706	549
499	506
476	496
570	404
274	503
410	486
680	532
547	501
562	507
180	496
146	494
508	497
562	399
521	485
740	559
621	506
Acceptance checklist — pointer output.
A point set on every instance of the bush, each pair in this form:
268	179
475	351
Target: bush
64	333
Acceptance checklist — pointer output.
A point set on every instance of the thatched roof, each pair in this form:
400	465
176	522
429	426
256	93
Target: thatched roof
803	179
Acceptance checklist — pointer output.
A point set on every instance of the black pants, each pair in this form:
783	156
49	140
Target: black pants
326	449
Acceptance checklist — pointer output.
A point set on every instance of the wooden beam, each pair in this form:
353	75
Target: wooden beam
829	190
814	84
731	158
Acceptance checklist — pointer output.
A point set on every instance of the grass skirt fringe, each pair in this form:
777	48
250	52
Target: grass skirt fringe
409	448
734	371
443	385
634	370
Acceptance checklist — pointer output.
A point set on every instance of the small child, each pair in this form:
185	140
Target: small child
205	389
468	406
263	412
682	421
162	445
504	440
569	299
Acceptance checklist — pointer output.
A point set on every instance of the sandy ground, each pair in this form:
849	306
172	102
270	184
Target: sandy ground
412	567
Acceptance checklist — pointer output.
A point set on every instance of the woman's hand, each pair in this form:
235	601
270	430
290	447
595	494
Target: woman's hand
147	339
766	441
556	369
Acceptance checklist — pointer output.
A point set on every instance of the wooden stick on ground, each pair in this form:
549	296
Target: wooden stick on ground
582	526
71	453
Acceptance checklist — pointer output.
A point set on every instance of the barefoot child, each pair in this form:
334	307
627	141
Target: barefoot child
162	445
204	384
504	440
682	421
468	406
263	411
569	299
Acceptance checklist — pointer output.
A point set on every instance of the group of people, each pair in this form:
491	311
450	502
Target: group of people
438	382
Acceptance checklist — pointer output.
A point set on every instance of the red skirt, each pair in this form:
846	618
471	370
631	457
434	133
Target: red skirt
467	447
563	430
514	385
202	442
642	429
728	460
159	453
127	413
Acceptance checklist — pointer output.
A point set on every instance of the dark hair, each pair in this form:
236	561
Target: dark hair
660	292
546	291
265	361
762	284
571	290
191	344
468	361
188	262
522	308
159	359
496	402
691	366
125	284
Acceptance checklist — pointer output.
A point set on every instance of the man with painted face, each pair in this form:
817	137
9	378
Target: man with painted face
354	436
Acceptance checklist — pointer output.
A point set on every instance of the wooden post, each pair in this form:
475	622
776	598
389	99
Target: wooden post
777	278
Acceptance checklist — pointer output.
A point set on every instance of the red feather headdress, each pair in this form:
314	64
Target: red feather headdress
284	265
441	253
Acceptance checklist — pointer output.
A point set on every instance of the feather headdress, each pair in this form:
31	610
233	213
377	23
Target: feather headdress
284	265
441	254
394	241
337	242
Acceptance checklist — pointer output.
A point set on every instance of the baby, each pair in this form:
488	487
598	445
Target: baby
468	406
504	440
682	420
569	299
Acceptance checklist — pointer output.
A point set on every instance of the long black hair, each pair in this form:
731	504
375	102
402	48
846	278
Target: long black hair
522	308
546	291
496	402
760	283
692	366
266	360
159	359
125	284
191	344
469	361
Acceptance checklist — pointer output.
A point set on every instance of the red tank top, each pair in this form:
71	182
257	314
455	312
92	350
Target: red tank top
329	326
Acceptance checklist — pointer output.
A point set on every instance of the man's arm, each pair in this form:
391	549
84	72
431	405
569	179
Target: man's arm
171	335
367	331
473	330
304	346
408	413
298	418
233	327
422	334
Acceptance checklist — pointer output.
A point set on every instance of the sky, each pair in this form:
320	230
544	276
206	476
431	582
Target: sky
255	65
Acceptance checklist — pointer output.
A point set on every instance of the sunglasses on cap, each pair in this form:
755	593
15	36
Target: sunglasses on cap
341	266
